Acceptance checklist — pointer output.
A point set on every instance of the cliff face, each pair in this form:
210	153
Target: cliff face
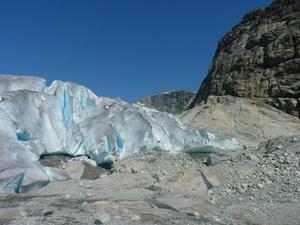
172	102
260	59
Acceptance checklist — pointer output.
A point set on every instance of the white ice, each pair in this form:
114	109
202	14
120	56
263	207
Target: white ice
66	118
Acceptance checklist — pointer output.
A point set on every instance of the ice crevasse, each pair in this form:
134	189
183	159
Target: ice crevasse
66	118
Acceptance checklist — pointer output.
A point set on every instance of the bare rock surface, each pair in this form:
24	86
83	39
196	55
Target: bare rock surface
259	58
249	121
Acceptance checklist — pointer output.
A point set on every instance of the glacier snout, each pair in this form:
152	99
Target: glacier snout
67	118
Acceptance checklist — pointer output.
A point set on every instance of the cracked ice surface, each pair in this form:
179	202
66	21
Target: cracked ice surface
66	118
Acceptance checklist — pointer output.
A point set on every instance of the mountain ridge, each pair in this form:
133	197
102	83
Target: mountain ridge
173	101
259	58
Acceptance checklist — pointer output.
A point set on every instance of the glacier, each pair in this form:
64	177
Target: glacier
67	118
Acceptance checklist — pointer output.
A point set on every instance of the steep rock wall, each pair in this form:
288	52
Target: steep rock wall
260	59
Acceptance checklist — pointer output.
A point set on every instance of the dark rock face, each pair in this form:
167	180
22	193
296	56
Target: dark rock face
260	58
173	102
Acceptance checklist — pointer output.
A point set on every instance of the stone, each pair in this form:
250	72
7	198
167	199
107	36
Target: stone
214	159
268	182
260	185
228	191
241	190
294	139
134	170
135	217
253	158
210	178
195	213
187	204
157	177
48	213
67	196
153	187
104	218
98	222
245	186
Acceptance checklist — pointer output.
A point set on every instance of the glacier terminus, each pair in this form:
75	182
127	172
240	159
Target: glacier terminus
66	118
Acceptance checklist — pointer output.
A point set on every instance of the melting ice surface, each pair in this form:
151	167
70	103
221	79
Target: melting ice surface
67	118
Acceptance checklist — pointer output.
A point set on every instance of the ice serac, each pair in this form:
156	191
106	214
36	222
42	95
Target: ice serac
66	118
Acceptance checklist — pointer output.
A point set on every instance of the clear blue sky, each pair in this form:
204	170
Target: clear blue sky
126	48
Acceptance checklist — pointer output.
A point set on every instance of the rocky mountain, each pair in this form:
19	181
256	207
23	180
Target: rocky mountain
260	59
174	102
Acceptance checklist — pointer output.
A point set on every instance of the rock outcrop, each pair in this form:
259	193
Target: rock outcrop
247	120
260	58
174	102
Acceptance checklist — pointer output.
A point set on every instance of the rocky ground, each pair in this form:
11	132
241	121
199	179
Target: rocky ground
250	121
258	185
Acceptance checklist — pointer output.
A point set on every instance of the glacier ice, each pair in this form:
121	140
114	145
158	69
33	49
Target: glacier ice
14	83
66	118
